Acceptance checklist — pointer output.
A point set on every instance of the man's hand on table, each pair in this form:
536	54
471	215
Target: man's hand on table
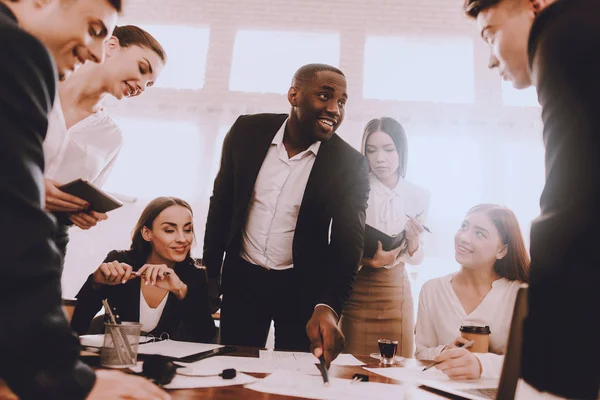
325	336
119	385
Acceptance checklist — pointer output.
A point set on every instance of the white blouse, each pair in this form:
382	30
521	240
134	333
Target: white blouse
441	315
387	210
149	317
88	150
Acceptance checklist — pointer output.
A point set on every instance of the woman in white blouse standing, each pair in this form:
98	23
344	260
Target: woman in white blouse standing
493	265
381	305
83	141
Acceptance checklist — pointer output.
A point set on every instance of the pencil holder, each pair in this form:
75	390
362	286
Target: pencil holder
121	342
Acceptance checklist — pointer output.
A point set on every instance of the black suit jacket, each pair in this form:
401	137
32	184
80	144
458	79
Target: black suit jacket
38	350
336	193
564	292
188	319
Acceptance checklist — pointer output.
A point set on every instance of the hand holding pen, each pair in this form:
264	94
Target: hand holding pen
115	273
455	346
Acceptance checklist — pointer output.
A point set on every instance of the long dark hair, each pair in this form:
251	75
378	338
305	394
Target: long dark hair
141	248
514	266
131	35
396	132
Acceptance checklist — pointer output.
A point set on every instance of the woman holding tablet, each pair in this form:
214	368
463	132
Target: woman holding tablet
83	141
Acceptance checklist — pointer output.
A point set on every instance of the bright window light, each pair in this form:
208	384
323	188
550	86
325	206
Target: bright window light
265	61
158	158
186	48
434	69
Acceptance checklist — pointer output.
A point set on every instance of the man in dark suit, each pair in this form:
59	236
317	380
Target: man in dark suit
38	350
288	209
555	45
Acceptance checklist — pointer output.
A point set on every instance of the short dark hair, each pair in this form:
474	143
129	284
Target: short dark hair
474	7
394	130
307	72
117	4
131	35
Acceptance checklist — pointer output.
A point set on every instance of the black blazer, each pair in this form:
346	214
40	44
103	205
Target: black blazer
564	292
188	319
38	350
336	193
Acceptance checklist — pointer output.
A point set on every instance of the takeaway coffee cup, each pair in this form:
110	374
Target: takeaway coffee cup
481	336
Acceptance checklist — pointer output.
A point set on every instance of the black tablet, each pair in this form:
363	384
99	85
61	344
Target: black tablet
372	236
99	201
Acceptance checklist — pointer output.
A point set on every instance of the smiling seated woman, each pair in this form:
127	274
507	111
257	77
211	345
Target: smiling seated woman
156	282
493	265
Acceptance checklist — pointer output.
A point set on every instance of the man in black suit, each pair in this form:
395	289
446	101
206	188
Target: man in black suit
38	350
555	45
288	209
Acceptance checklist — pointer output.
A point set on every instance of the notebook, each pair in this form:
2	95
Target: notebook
372	236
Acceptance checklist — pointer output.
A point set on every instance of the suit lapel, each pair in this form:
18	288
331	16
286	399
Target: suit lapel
317	177
255	153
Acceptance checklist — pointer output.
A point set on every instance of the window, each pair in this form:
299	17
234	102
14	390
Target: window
519	98
158	158
449	165
433	69
265	61
187	49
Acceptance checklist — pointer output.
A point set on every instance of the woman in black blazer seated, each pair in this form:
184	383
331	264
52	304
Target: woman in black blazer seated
155	282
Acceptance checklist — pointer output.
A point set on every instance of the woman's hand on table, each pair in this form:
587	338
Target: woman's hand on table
459	364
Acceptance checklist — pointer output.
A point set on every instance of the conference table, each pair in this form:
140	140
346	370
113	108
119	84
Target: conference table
239	392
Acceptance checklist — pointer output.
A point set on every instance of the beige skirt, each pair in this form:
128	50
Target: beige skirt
380	307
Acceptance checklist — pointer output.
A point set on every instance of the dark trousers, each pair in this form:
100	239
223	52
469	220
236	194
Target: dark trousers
253	297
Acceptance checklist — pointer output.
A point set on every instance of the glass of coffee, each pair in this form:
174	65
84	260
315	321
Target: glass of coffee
481	336
387	351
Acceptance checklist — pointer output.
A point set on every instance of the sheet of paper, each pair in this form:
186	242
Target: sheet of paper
409	372
173	348
289	383
412	372
215	365
192	382
347	360
292	357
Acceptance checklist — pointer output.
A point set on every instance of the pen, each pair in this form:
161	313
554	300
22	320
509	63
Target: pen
466	346
323	370
417	216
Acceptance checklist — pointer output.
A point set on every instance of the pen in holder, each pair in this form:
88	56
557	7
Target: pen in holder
121	341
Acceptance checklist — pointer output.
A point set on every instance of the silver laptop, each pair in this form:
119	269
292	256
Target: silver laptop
511	369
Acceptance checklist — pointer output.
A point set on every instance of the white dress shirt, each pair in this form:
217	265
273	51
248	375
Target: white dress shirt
275	203
441	315
149	317
388	208
88	150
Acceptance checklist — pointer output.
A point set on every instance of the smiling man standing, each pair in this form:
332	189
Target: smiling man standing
288	209
555	45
